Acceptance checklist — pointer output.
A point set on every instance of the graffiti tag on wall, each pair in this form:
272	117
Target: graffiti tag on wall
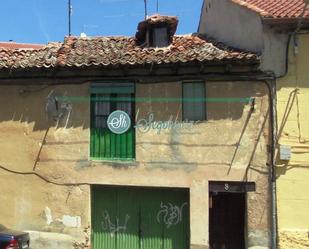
108	225
170	214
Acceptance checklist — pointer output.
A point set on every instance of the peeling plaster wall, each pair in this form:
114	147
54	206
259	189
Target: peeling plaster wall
187	158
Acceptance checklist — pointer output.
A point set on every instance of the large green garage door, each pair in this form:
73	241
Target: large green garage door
131	218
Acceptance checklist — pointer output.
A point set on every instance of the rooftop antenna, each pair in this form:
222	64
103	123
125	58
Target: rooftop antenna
157	6
70	15
145	2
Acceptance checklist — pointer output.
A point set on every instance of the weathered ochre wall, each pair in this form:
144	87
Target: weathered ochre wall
293	175
184	158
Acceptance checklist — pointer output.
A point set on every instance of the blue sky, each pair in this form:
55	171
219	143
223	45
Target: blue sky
41	21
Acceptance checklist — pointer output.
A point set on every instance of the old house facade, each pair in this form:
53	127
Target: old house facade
193	166
278	30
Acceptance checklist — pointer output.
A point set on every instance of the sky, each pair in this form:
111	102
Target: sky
42	21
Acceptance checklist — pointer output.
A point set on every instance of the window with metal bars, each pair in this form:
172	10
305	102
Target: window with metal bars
104	144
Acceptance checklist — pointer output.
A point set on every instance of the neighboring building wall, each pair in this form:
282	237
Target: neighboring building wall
274	51
232	24
58	216
293	175
221	22
241	28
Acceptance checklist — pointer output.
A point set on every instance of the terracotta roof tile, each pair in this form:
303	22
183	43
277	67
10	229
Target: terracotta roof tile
275	8
14	45
105	51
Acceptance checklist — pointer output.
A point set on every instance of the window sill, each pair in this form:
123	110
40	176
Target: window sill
113	160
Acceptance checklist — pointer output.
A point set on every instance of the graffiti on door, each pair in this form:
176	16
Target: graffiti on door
108	225
170	214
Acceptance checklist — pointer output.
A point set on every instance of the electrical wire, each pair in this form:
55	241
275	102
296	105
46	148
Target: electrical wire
44	178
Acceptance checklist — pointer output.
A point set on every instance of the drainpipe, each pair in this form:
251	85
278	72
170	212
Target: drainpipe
273	120
271	85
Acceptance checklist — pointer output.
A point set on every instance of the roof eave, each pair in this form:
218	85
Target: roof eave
145	70
287	23
269	19
285	20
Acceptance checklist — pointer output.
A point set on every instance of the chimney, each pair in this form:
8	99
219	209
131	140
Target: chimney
156	31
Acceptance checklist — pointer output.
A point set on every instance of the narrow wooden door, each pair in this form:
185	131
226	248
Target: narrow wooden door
227	221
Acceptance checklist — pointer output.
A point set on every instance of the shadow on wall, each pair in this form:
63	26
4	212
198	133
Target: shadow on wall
284	166
222	100
228	100
31	104
221	139
28	104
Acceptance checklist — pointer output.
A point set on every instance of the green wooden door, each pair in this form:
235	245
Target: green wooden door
131	218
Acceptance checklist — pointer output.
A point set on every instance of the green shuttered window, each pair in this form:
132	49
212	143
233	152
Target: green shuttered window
105	144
